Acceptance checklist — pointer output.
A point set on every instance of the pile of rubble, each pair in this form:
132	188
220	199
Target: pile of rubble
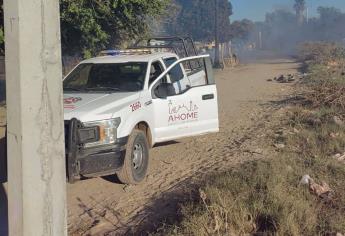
289	78
340	157
321	190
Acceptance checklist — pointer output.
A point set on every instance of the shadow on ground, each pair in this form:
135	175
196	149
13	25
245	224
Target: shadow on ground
2	91
112	179
3	195
3	211
162	211
293	100
168	143
3	160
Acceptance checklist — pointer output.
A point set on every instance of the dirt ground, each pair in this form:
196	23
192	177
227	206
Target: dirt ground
97	206
103	206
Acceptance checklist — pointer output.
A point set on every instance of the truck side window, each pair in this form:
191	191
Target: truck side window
155	71
175	73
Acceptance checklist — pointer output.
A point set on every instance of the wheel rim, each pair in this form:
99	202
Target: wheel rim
138	153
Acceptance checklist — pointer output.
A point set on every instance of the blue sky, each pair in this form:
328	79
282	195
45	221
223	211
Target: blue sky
256	9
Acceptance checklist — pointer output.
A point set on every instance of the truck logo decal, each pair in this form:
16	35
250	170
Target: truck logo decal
69	102
183	112
135	106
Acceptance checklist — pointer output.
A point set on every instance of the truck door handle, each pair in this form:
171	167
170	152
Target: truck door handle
208	96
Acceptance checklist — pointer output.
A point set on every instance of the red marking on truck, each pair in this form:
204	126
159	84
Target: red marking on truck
71	100
135	106
69	106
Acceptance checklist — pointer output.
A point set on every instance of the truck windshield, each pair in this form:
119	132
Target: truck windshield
107	77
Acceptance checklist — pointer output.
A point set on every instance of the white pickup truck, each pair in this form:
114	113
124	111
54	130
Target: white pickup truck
118	106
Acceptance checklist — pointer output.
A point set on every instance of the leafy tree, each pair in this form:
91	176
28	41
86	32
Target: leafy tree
279	31
329	15
225	11
88	26
300	7
168	22
241	30
330	25
196	18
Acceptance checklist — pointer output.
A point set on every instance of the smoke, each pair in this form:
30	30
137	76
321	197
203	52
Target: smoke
283	32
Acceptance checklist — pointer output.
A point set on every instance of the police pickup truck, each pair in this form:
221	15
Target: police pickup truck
119	105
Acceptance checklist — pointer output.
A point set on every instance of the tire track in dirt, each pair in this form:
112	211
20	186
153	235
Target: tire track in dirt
97	206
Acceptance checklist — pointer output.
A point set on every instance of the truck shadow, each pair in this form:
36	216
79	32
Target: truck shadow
112	179
168	143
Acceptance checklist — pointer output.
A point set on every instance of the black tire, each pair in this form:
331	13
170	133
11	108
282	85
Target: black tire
135	166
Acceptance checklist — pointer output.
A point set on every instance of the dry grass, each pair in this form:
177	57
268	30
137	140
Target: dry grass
325	84
322	53
264	197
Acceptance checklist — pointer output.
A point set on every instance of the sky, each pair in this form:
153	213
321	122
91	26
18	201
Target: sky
256	9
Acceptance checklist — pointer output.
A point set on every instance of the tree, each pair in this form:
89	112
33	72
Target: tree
300	8
88	26
196	18
279	31
330	25
329	15
241	30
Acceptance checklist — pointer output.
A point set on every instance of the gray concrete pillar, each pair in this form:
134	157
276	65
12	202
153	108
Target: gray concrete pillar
36	163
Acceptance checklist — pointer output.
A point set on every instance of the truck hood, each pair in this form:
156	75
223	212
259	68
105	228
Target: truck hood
96	106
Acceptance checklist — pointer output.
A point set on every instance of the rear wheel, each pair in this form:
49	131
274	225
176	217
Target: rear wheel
136	159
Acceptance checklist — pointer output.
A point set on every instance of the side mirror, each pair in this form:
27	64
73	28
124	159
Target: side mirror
164	90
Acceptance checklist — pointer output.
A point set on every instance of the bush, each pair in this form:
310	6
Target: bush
325	83
322	53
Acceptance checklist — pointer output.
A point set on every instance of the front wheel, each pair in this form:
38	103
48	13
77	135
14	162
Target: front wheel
136	159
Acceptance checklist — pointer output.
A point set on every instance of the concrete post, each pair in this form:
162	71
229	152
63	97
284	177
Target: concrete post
36	163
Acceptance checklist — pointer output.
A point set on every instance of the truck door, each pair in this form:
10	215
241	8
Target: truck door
180	108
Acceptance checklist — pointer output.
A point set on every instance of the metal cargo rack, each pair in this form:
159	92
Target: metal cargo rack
182	46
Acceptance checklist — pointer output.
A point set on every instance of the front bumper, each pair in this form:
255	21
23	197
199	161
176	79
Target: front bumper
90	162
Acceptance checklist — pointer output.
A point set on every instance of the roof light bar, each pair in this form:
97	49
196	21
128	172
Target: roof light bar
125	52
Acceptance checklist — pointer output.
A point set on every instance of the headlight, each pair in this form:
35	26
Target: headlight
106	132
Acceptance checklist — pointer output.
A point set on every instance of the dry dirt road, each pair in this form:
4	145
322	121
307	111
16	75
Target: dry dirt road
102	206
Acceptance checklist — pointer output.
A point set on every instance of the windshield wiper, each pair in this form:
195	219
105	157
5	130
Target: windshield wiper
103	88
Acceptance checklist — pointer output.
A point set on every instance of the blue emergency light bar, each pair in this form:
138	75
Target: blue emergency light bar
111	52
114	52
